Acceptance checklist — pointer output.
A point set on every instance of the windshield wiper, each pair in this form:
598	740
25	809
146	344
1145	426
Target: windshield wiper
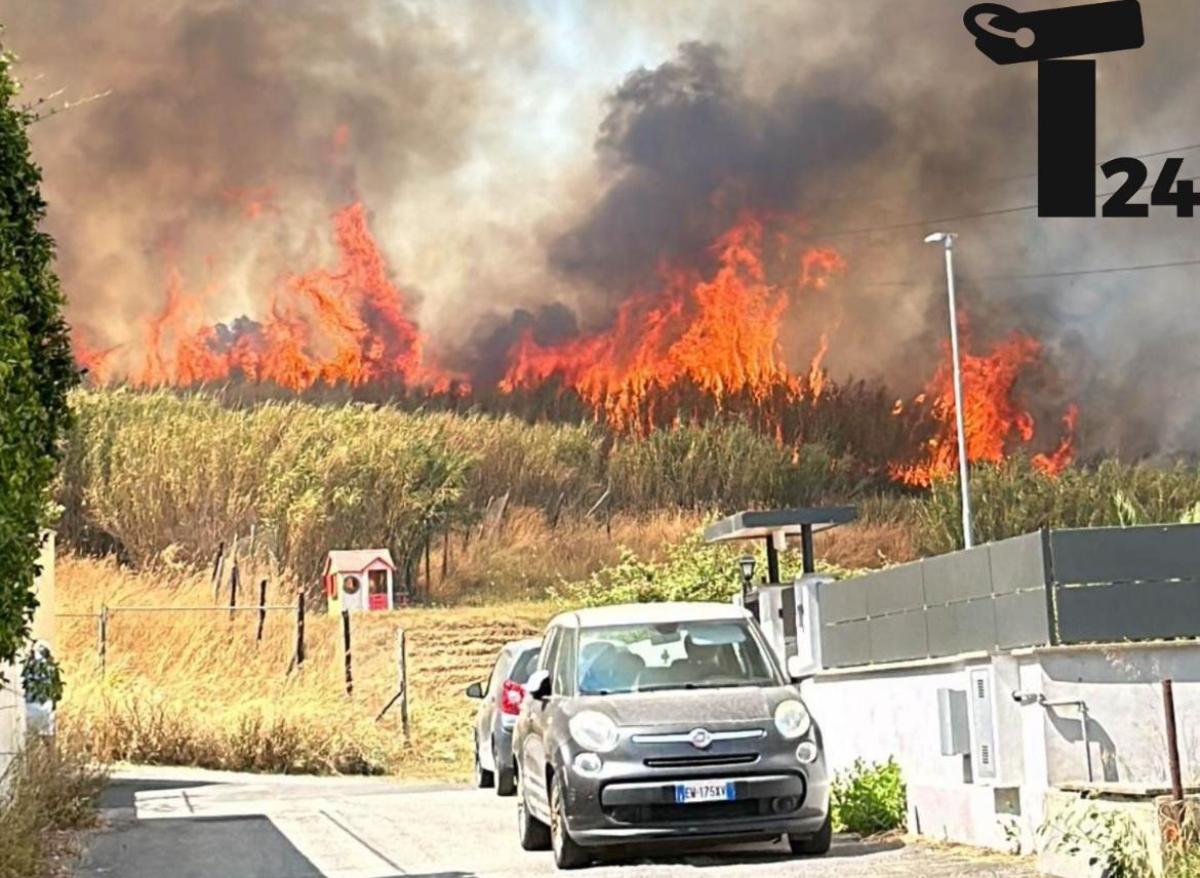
693	685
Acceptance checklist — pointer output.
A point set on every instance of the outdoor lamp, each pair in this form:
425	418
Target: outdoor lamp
747	562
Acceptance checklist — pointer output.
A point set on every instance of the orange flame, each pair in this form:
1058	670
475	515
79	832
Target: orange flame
346	325
993	423
719	335
97	363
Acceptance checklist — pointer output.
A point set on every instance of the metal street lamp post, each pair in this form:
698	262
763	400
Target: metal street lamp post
946	239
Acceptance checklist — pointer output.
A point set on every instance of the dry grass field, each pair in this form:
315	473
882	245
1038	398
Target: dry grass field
196	688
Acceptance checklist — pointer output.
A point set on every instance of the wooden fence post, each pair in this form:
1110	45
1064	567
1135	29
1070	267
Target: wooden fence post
346	649
235	578
218	569
402	687
403	682
102	637
428	578
300	630
445	552
262	610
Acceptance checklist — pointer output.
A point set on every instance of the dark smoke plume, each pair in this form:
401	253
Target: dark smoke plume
688	149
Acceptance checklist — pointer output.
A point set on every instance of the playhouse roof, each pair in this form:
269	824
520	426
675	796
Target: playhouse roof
357	560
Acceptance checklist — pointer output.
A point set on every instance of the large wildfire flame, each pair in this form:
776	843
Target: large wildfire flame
993	424
696	345
342	326
718	335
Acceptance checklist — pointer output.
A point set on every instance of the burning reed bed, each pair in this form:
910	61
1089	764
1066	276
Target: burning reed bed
148	473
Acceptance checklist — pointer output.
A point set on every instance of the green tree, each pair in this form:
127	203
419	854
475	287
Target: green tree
36	368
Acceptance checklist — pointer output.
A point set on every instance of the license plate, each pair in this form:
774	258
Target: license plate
703	791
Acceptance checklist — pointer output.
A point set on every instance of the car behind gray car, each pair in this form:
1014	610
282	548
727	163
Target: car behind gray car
657	721
501	695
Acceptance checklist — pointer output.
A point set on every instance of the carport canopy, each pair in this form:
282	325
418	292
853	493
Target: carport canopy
766	524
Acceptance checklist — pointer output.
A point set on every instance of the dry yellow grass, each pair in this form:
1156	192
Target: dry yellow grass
525	557
196	689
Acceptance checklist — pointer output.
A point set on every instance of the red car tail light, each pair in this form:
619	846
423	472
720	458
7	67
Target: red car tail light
511	696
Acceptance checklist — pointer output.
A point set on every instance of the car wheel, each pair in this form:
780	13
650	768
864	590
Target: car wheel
533	833
567	854
506	780
484	779
813	845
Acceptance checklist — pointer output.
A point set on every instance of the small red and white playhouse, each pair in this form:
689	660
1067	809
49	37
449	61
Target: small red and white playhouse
360	579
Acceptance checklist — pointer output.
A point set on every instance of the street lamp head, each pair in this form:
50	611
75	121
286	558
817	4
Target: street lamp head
747	563
946	238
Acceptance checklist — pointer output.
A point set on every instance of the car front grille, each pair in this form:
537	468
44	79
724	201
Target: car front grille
700	761
698	812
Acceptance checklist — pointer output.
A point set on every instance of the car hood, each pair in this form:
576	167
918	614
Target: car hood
676	707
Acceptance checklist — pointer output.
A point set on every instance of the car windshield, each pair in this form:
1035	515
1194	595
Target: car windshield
673	655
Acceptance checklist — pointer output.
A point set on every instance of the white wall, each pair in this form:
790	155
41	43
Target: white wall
12	701
876	712
1122	687
12	716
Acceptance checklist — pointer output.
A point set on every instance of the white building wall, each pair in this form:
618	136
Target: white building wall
12	717
874	712
877	713
12	701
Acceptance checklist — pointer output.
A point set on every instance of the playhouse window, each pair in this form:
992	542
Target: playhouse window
377	581
350	585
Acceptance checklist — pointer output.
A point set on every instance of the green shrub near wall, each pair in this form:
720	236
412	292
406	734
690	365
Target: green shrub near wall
36	369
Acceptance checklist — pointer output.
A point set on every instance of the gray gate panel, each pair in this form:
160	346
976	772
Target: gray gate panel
898	637
963	627
899	588
1126	554
846	644
1021	620
1017	564
957	576
1129	611
845	600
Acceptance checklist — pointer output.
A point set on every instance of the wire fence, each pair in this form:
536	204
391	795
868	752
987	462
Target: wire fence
295	656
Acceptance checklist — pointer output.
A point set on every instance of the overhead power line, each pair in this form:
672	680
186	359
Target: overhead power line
1115	269
932	221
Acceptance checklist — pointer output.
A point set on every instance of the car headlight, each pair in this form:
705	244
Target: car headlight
792	719
594	731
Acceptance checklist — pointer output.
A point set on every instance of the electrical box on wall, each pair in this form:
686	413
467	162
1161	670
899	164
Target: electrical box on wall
983	726
953	722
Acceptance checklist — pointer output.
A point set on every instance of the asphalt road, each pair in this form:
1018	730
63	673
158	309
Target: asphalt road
189	824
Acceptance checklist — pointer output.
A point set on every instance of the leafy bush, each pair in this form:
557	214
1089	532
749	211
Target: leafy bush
36	370
41	677
689	570
869	798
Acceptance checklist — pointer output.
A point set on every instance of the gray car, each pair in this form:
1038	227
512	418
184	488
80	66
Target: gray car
665	721
501	695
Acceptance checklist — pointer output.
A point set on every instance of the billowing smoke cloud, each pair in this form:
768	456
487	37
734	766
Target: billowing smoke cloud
688	149
525	169
230	133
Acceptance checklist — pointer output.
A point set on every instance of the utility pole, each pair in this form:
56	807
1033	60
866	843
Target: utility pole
946	239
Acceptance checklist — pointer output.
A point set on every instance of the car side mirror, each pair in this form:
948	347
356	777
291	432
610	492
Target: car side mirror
475	690
798	670
538	686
